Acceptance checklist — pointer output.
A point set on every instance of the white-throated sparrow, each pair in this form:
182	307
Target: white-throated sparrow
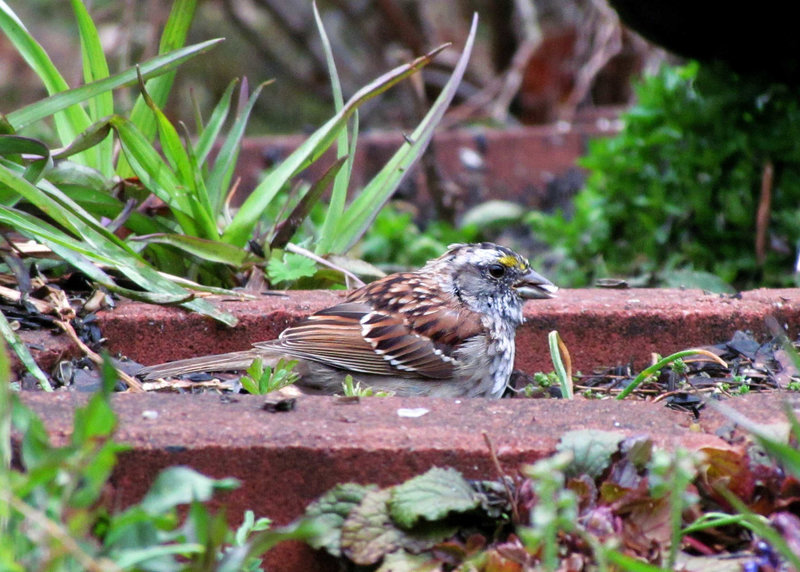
445	330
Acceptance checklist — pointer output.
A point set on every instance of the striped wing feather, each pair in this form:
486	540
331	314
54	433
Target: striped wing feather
355	336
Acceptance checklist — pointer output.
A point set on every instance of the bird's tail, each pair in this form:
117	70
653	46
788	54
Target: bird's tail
220	362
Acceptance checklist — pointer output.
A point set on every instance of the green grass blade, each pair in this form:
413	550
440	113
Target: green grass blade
343	148
563	373
71	119
182	165
664	362
208	134
24	355
60	101
362	211
211	250
220	176
241	227
173	38
95	67
85	257
154	174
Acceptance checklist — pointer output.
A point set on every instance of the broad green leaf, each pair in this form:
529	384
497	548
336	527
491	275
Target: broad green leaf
591	450
368	533
60	101
95	68
331	510
290	267
176	486
211	250
362	211
431	496
240	229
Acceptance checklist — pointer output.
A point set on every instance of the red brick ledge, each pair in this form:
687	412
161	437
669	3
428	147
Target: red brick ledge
600	327
285	460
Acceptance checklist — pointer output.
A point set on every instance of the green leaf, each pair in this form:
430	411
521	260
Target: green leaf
95	68
591	450
23	353
344	148
190	181
60	101
368	532
431	496
289	267
207	135
210	250
220	176
330	511
241	227
99	245
362	211
173	38
154	173
287	227
70	119
176	486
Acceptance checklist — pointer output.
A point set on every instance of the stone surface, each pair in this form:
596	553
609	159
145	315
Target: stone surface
601	327
285	460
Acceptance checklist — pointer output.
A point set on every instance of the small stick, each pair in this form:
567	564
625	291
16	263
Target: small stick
502	475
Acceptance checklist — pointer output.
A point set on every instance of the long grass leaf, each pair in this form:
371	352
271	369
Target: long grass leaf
209	133
86	258
211	250
60	101
71	119
365	207
95	67
241	227
178	157
344	147
24	355
220	176
289	226
154	173
173	38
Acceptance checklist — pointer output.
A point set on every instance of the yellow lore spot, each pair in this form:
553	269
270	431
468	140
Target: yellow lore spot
512	262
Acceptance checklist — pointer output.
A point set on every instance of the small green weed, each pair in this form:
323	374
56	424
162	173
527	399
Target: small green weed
261	380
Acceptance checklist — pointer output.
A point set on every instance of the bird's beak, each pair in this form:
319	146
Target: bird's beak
532	285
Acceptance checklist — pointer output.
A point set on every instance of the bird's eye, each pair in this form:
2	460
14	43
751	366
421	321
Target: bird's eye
497	270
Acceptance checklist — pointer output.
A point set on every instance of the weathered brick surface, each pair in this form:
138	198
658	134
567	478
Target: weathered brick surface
600	327
285	460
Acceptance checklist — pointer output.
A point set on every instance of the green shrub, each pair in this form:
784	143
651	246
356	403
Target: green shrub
673	197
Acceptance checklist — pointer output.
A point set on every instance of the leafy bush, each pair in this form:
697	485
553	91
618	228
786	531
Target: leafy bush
55	514
673	197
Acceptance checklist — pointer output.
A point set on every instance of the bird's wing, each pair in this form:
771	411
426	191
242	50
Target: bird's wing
356	337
